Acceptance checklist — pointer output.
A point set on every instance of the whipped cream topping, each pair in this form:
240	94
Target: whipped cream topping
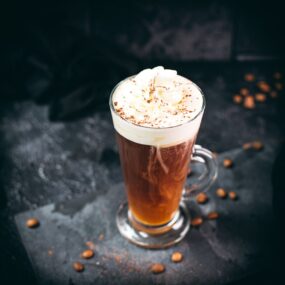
157	107
157	98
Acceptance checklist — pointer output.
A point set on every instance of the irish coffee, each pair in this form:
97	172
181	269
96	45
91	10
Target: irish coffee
153	115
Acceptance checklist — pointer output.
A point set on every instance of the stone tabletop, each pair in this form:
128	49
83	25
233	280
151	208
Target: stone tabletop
218	252
45	162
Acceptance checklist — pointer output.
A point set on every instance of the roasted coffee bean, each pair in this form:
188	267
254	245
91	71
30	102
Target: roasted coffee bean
249	77
88	253
264	86
260	97
244	91
202	198
77	266
90	245
197	221
176	257
157	268
237	99
213	216
228	163
247	146
233	195
221	193
249	103
32	223
273	94
257	145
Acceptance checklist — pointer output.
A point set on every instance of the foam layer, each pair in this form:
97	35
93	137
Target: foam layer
157	98
157	107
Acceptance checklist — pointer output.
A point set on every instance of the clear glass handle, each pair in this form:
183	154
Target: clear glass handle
203	172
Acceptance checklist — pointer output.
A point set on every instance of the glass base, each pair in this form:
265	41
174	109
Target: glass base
153	236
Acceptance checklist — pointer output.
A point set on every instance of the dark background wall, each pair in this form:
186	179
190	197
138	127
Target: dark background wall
69	51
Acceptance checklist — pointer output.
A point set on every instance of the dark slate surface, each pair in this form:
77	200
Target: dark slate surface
218	252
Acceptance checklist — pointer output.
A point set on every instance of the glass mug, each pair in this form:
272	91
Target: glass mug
156	215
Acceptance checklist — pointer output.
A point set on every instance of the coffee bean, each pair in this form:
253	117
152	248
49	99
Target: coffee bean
263	86
228	163
221	193
213	216
88	253
202	198
257	145
249	103
273	94
260	97
247	146
176	257
32	223
277	75
197	221
90	245
157	268
244	91
233	195
237	99
249	77
77	266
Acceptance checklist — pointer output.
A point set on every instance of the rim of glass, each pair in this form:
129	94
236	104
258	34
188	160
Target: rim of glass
155	128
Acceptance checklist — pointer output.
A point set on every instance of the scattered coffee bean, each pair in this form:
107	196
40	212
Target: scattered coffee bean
50	252
202	198
88	253
228	163
237	99
279	86
32	223
213	216
90	245
221	193
263	86
260	97
273	94
249	77
157	268
176	257
77	266
257	145
244	91
197	221
101	237
277	75
249	103
247	146
233	195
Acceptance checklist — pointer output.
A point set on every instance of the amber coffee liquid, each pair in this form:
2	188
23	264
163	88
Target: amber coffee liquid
154	179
